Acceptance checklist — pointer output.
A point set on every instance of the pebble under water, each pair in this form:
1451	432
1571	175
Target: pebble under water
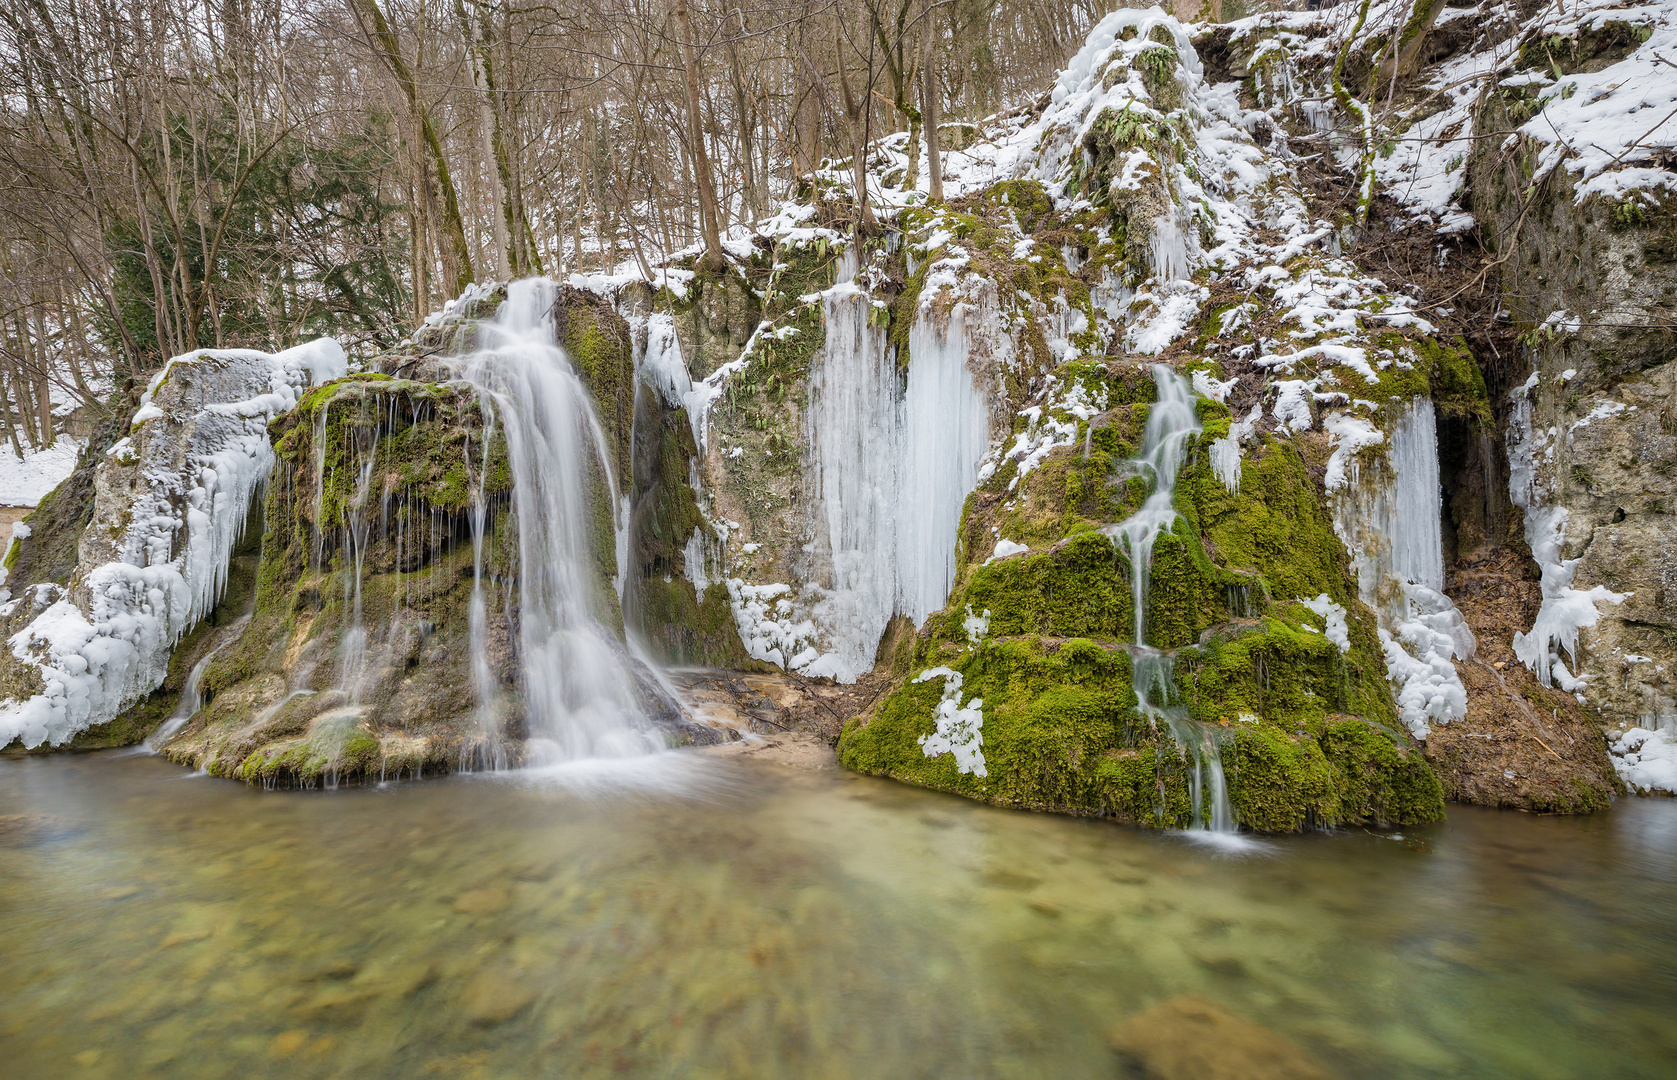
731	919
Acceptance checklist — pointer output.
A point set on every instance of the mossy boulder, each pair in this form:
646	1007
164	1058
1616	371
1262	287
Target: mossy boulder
1307	732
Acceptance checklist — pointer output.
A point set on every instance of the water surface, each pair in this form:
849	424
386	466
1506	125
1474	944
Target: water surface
763	922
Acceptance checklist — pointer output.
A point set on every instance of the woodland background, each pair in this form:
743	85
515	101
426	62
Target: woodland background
181	174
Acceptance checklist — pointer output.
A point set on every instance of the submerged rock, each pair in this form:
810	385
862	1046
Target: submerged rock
1193	1038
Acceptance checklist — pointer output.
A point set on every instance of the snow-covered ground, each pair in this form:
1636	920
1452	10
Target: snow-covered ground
26	481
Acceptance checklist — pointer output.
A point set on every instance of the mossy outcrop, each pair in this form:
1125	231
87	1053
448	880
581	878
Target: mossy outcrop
367	529
1307	732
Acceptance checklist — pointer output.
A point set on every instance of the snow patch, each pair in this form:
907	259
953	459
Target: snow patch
959	728
1333	621
1645	758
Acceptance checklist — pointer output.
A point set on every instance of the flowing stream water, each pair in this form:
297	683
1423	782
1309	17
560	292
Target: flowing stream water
765	922
580	686
1171	422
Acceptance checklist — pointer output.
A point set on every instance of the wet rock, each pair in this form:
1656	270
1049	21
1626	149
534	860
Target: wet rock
1002	878
493	997
340	1003
23	830
1193	1038
197	922
336	968
533	870
287	1043
400	979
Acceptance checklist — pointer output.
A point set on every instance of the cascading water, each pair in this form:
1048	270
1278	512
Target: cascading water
191	700
489	753
1171	422
580	689
353	667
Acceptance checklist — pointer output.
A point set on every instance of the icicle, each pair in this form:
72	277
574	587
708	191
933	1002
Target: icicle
894	461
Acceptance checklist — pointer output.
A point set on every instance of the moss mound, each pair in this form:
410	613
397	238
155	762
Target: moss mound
1307	732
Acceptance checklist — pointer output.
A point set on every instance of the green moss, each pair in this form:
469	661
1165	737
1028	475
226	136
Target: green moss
686	630
1080	587
1309	733
1454	381
1052	711
596	339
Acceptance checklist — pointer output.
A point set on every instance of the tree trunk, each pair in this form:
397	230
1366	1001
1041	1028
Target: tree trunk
1411	40
929	111
709	218
43	375
390	49
6	413
856	115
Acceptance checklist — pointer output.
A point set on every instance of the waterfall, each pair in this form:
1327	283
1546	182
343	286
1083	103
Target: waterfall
1171	421
580	689
488	753
191	701
894	459
353	668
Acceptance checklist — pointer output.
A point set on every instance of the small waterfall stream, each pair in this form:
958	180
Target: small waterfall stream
580	687
489	754
356	536
191	700
1171	421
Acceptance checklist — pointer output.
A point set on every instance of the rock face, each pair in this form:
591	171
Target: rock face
357	659
170	502
1114	486
391	516
1592	430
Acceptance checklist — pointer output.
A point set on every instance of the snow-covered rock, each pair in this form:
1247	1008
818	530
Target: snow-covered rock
171	502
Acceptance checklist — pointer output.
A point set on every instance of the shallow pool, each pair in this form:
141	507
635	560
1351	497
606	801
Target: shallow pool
713	918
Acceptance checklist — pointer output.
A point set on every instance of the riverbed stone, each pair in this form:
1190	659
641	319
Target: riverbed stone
490	901
1194	1038
493	997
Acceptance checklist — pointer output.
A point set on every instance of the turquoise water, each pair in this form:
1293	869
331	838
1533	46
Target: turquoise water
719	919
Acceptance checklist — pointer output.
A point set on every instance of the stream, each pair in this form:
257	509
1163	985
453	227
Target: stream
692	916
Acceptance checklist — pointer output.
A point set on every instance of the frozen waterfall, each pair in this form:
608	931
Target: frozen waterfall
580	688
894	459
1417	502
1391	523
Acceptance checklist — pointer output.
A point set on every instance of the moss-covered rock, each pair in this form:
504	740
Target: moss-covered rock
1307	732
375	486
